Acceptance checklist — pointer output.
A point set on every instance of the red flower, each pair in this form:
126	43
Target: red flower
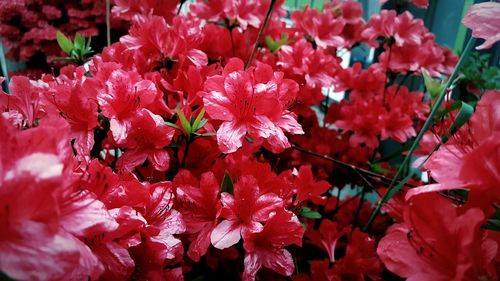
154	37
324	28
253	102
77	105
326	236
24	99
360	259
307	187
300	61
437	242
146	139
199	208
470	161
243	213
35	181
126	9
266	248
245	13
484	22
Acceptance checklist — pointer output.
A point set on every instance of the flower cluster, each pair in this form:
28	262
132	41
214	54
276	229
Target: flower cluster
191	148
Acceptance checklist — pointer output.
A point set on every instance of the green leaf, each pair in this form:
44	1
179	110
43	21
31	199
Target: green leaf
493	224
196	124
63	60
433	86
205	134
184	122
172	125
466	111
377	168
305	212
64	42
276	45
79	42
227	184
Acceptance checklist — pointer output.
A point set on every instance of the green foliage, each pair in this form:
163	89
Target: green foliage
274	46
227	184
433	86
305	212
190	127
494	223
476	71
78	51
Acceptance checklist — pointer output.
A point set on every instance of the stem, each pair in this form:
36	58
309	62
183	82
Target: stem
180	6
358	210
108	22
259	35
5	71
390	192
186	151
346	165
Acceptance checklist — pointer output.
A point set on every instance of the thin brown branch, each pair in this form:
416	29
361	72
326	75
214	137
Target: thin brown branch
357	170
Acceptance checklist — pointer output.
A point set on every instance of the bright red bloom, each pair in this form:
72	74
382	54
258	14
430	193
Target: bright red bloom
471	162
253	102
324	28
409	45
146	139
326	236
484	22
245	13
178	41
35	240
78	106
199	208
437	242
300	61
243	213
159	249
126	9
266	248
23	99
307	186
360	259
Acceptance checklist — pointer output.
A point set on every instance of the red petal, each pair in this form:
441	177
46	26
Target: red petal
226	234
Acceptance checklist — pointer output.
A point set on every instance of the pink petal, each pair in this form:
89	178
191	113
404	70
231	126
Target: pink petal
484	20
119	265
197	57
86	216
252	266
226	234
230	136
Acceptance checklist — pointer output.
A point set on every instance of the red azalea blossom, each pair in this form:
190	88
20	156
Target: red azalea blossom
437	242
266	248
164	156
483	19
253	102
243	213
199	207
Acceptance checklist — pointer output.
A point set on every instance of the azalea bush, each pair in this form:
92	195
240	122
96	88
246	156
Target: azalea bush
208	144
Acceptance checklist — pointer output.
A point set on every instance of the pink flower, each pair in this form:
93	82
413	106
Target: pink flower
146	139
199	208
437	241
484	21
253	102
243	213
266	248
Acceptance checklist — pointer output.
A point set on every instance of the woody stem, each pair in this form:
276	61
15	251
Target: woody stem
259	35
